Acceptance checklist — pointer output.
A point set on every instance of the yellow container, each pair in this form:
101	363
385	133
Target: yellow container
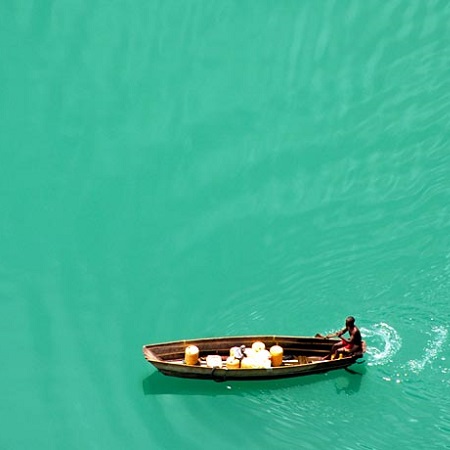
276	353
232	363
191	355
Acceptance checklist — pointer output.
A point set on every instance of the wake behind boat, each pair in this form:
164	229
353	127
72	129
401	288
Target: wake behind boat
246	357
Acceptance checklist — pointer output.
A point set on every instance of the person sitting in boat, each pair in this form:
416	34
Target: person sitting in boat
238	353
351	345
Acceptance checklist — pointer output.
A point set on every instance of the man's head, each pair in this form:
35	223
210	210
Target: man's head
350	321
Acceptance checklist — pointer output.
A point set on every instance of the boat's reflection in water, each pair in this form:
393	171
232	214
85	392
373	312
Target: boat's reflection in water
347	381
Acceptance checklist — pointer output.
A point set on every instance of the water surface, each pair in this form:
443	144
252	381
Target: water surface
178	171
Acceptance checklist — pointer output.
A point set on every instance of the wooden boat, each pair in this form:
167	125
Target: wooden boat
301	356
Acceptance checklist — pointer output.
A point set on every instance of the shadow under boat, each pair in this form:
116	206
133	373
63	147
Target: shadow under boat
347	381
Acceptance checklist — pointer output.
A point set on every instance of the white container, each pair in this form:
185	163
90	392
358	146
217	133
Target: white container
258	346
214	361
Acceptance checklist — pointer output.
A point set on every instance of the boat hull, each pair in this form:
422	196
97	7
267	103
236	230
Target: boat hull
168	358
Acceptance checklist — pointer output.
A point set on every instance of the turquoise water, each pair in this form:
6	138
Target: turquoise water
176	170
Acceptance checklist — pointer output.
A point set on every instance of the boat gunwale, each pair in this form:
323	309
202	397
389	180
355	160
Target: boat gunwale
226	338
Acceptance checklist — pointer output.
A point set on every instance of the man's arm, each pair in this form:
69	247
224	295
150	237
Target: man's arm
337	333
341	332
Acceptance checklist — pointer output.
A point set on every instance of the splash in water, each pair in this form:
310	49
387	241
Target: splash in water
438	336
384	343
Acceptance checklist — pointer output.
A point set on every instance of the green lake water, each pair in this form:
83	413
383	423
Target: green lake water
175	170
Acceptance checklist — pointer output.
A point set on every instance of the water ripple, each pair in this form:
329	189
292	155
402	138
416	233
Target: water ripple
432	349
384	343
